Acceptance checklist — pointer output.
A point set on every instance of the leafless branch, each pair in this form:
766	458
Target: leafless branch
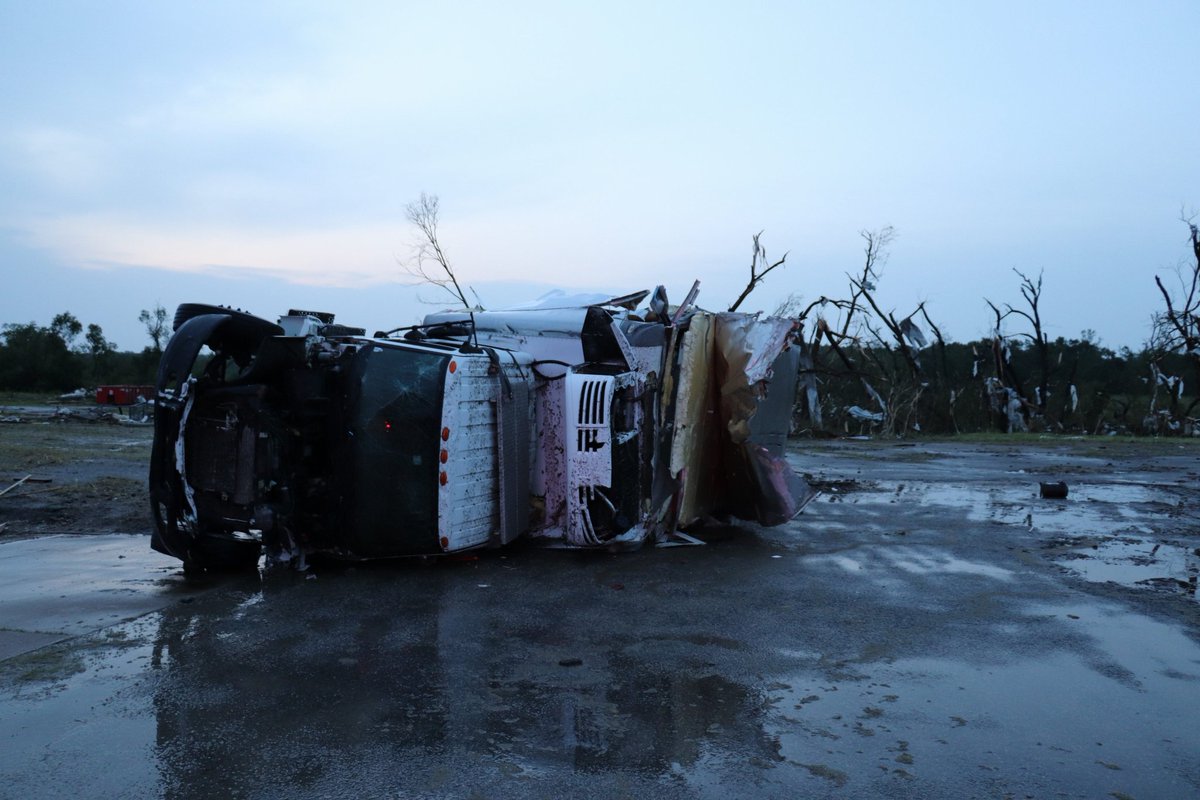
759	269
1179	327
875	255
429	263
789	306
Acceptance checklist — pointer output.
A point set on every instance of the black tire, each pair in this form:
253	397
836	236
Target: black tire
238	336
245	321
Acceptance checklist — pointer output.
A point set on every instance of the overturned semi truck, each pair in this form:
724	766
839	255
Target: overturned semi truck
582	422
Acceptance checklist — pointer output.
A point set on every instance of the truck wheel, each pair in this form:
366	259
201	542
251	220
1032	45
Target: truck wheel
238	334
244	324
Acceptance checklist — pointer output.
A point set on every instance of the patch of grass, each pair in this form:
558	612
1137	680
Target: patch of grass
1068	439
48	665
917	456
108	487
27	399
17	455
31	446
58	662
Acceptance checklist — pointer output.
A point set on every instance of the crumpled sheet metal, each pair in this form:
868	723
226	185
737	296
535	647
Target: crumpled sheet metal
781	493
724	367
695	445
747	347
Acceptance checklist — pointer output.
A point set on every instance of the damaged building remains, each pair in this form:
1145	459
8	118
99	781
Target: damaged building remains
580	421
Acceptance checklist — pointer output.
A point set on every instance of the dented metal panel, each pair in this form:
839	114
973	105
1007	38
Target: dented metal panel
695	444
468	509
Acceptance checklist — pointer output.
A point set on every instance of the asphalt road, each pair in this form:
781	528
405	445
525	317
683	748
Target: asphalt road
928	628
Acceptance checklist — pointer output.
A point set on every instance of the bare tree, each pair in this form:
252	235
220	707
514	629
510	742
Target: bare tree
429	263
1032	292
1003	392
875	348
155	321
875	255
759	268
1178	328
1179	325
837	335
788	306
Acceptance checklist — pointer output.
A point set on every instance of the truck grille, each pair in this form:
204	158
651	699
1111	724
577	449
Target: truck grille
592	415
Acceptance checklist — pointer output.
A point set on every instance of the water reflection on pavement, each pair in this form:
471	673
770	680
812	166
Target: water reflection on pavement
927	647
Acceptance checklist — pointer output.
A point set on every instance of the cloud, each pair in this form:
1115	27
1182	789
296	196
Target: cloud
65	159
349	256
486	248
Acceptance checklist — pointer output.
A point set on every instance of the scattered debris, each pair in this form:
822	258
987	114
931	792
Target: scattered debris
1054	491
138	414
834	486
15	485
863	415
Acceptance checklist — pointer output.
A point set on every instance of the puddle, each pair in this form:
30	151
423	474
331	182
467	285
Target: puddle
1132	561
1115	717
914	560
1101	508
58	704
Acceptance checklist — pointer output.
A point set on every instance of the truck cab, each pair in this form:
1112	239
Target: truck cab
588	426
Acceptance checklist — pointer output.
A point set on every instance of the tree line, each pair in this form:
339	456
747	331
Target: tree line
864	369
67	355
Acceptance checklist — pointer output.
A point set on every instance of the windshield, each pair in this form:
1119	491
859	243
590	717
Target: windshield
394	417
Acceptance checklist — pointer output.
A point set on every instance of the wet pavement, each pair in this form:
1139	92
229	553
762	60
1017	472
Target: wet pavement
929	627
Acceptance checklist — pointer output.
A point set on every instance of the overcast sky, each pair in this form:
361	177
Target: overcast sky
262	154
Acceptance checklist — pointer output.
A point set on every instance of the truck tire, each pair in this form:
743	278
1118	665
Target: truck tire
245	324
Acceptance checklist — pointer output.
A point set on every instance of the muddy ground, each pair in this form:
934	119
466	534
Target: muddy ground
928	627
84	476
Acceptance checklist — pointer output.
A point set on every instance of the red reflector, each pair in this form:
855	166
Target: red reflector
387	426
454	366
442	479
445	456
445	542
445	434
